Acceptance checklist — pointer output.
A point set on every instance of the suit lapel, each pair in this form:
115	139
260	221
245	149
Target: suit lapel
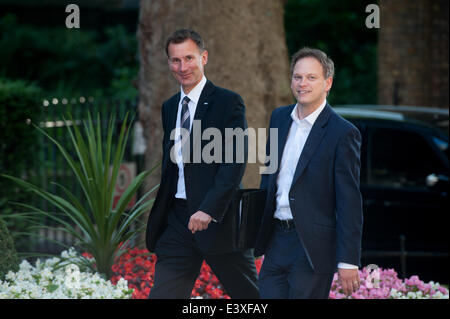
283	131
173	109
204	100
313	141
283	124
202	106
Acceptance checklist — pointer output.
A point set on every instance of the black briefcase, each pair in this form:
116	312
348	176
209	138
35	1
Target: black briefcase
251	208
240	225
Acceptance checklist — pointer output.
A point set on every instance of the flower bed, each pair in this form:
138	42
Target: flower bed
60	278
389	286
137	267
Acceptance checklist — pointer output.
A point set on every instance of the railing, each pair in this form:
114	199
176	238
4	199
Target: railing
403	255
50	165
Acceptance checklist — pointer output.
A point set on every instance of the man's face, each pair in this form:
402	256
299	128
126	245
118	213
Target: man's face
187	63
308	83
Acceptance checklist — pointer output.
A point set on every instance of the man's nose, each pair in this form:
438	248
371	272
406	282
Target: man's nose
302	82
183	66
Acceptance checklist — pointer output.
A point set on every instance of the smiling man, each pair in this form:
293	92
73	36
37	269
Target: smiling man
312	222
189	221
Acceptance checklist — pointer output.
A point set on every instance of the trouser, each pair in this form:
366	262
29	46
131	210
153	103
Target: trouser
286	271
179	262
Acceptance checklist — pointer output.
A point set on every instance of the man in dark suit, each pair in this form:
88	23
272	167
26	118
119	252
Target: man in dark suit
189	221
312	222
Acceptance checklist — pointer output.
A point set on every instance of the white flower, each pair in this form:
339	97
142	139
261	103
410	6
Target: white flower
46	281
25	265
438	295
10	276
411	295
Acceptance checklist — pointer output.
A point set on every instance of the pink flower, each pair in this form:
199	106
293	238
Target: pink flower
138	267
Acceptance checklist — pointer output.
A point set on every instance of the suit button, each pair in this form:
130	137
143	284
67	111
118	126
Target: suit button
291	198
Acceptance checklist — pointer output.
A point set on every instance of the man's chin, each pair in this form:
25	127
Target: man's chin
187	87
304	102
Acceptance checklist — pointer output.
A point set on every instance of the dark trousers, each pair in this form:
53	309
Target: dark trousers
179	262
286	272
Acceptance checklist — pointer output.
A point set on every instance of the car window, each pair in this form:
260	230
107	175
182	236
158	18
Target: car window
401	158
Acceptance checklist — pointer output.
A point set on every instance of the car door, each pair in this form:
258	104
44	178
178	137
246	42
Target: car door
396	161
397	199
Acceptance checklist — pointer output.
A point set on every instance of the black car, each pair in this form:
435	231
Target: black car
404	184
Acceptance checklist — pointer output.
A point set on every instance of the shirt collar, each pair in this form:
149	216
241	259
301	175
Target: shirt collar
311	118
194	95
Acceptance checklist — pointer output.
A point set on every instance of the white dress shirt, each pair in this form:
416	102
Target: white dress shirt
194	96
297	136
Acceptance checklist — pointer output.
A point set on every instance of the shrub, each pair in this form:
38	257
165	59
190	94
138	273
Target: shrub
19	101
8	255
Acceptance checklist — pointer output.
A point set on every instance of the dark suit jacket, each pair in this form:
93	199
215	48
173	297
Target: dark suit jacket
209	186
324	197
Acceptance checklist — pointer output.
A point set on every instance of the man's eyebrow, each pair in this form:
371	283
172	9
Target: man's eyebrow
308	74
183	57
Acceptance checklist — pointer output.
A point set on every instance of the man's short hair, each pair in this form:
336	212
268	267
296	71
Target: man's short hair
324	60
182	35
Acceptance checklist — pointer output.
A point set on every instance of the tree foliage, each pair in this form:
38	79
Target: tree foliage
70	61
338	28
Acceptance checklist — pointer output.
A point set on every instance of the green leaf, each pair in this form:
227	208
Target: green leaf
52	287
99	229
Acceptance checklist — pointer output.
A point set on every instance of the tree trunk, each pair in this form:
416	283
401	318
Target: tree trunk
413	53
247	54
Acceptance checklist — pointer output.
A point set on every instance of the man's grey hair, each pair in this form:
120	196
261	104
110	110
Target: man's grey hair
182	35
324	60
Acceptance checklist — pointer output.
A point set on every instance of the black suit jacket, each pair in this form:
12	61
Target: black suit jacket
324	196
210	187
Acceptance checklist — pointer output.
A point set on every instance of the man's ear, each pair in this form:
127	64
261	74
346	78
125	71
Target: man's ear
329	84
204	57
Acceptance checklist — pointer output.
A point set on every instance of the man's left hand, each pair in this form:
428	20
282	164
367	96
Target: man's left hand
349	280
199	221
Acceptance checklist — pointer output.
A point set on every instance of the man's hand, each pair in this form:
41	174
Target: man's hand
349	280
199	221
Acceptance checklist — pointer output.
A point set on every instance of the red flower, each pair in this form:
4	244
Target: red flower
87	255
137	266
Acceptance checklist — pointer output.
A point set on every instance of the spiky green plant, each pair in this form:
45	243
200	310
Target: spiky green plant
103	231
